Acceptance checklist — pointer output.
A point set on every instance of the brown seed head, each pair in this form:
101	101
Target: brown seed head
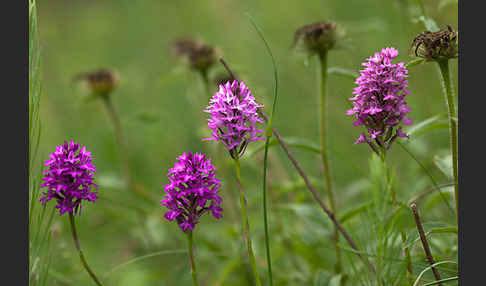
101	82
436	46
317	37
197	54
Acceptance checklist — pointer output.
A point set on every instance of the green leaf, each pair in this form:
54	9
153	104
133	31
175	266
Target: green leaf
355	211
430	267
429	23
322	278
414	62
343	72
445	3
301	143
148	117
437	122
335	280
444	163
440	230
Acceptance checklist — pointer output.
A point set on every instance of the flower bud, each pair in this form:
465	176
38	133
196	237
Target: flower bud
436	46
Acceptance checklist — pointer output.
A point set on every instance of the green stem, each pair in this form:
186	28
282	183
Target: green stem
120	140
191	257
81	255
324	155
265	219
449	97
246	224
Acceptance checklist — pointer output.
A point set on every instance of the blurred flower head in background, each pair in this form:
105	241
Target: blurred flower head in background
193	190
379	102
233	117
69	178
100	82
195	53
317	38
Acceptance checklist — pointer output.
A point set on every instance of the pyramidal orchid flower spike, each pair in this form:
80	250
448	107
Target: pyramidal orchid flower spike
193	190
379	102
69	178
233	117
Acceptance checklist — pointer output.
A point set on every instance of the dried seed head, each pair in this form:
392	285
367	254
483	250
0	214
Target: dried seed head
101	82
317	37
195	53
436	46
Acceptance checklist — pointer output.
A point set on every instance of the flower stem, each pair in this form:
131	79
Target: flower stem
265	219
324	154
246	224
446	84
81	255
120	140
191	257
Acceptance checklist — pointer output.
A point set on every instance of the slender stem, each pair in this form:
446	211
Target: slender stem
314	193
324	154
449	97
246	224
191	257
81	255
265	219
120	140
425	244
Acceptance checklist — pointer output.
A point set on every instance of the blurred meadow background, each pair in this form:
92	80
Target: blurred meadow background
159	100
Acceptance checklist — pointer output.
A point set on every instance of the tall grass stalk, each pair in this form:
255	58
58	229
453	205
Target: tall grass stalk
268	136
245	222
40	217
449	98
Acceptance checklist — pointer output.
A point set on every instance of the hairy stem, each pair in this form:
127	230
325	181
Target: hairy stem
191	257
324	154
449	97
246	224
425	244
78	248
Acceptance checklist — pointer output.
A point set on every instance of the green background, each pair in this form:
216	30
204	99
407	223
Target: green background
160	103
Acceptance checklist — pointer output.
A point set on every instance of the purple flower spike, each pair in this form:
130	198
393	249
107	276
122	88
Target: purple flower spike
379	102
69	178
193	190
233	117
